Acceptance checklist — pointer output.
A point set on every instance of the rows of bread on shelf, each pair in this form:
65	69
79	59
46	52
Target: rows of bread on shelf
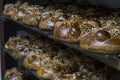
54	61
97	29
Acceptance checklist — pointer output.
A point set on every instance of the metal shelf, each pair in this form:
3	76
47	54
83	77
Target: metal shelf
111	60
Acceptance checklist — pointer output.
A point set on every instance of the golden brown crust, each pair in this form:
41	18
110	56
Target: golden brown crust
68	31
32	61
10	10
110	46
49	18
11	43
13	74
68	67
104	39
18	46
47	24
19	15
30	19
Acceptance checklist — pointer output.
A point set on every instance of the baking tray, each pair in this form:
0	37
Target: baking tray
111	60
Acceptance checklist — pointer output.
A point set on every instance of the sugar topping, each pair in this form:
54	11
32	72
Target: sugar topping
115	33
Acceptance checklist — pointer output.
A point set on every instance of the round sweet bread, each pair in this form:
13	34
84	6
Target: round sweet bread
32	15
39	57
104	39
32	61
13	74
12	41
67	31
12	10
32	20
21	50
50	15
19	15
9	10
47	24
18	46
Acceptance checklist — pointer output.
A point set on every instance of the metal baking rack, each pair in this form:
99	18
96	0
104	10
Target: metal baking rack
111	60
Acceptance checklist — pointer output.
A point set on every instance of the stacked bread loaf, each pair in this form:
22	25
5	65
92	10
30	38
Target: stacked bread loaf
96	28
20	46
53	61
